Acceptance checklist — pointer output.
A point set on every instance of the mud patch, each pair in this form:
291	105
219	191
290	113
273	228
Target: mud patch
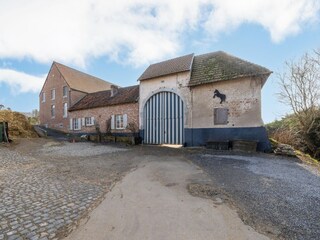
171	184
207	191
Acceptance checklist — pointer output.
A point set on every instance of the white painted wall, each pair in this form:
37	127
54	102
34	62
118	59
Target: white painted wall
243	99
177	83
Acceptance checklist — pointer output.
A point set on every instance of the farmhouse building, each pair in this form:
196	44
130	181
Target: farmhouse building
191	100
63	88
113	111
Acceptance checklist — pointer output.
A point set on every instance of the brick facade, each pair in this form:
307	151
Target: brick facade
77	85
56	81
104	114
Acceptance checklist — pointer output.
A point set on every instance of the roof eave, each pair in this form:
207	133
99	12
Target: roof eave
163	75
108	105
266	74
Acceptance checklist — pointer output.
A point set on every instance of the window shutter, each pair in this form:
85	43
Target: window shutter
71	127
221	116
79	124
112	121
83	121
125	120
92	121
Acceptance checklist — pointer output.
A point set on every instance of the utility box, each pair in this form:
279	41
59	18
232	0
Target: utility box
4	132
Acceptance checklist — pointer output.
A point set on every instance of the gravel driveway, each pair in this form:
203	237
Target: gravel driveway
277	196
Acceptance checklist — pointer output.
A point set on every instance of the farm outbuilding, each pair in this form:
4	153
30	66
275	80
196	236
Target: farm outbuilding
193	100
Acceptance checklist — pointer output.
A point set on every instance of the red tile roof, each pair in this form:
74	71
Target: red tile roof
104	98
81	81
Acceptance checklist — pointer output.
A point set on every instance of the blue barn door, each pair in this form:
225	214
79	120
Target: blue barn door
163	119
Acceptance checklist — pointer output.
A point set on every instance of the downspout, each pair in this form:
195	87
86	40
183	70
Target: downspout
191	116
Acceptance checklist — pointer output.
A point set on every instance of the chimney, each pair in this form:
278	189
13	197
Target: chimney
114	90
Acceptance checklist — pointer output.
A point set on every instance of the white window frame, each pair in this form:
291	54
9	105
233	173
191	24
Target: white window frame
53	111
53	94
114	121
65	94
65	110
89	121
43	97
119	121
76	123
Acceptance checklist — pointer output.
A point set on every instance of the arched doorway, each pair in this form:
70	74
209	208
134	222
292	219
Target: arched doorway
163	119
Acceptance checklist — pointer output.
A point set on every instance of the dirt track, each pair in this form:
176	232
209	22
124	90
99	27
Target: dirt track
152	202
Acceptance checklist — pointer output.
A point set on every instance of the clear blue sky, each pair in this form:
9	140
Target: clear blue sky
117	40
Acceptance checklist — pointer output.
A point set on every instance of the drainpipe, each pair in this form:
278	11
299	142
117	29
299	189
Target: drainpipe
191	116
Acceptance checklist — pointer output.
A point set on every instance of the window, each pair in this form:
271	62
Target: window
65	91
43	96
221	116
53	111
65	110
89	121
53	94
76	122
119	122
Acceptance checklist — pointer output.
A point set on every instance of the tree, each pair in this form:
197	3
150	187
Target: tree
1	106
300	89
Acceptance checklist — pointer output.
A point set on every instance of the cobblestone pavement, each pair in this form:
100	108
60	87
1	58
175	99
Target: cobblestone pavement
39	202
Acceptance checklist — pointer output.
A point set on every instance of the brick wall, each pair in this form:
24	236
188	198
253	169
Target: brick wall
103	114
56	81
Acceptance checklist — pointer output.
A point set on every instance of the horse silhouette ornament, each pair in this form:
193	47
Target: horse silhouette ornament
219	95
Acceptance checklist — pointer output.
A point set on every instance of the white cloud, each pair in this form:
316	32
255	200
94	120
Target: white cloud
281	18
134	32
21	82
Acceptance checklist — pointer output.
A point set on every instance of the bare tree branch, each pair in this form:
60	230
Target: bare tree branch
300	89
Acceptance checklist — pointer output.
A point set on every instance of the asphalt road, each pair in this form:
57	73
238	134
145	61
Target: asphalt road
277	196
